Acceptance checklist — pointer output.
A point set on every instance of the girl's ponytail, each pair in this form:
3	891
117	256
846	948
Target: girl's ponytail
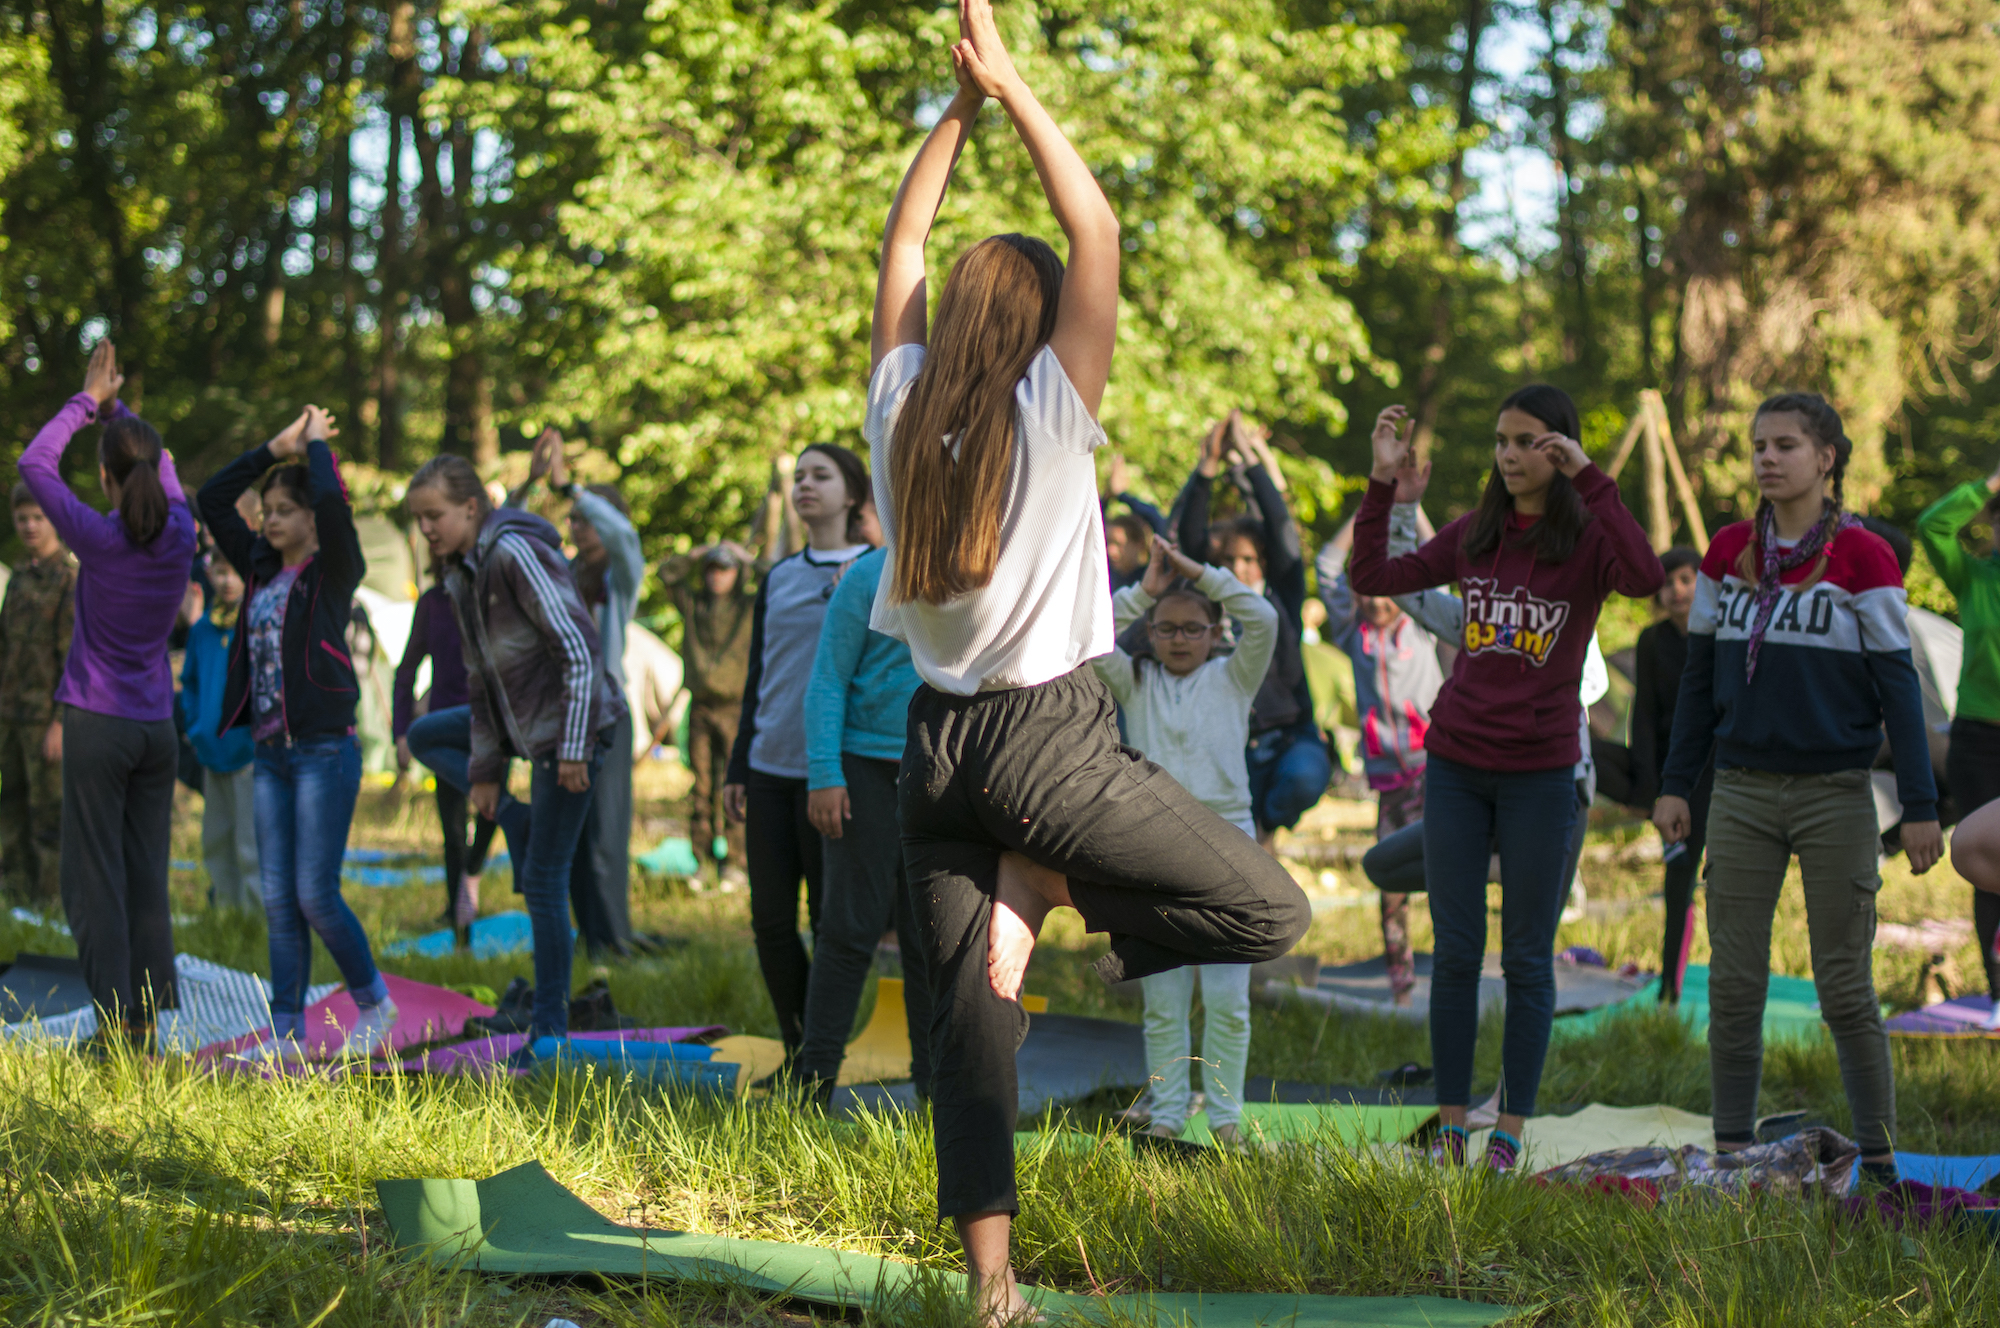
129	451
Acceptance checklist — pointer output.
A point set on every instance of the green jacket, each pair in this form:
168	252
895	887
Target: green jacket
36	619
1975	580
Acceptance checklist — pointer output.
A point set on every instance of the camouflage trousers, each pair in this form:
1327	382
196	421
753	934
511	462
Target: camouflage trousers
30	817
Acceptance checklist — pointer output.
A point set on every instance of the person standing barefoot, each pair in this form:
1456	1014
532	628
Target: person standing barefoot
1015	795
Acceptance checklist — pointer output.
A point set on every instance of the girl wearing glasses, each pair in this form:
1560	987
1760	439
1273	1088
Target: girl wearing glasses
1191	714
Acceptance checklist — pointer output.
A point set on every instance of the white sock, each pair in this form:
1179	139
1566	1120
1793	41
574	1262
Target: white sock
370	1033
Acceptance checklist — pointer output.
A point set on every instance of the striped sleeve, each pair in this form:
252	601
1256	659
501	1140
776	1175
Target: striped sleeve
551	603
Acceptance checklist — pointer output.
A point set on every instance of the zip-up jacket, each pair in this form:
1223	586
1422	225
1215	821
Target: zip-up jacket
320	690
858	697
1975	580
784	638
1512	702
534	677
1834	671
1396	677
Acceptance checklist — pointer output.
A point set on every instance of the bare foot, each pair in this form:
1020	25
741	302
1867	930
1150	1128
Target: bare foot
1026	893
996	1298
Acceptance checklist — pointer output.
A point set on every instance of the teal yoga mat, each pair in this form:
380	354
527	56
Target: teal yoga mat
523	1221
1791	1007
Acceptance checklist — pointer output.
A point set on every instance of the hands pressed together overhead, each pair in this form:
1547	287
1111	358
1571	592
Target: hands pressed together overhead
1167	563
314	424
979	59
102	378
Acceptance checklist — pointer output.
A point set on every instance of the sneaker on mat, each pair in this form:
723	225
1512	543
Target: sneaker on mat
370	1034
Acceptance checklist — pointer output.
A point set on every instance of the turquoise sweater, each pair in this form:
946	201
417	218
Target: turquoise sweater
858	699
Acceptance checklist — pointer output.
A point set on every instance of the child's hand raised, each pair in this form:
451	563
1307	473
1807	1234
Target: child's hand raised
291	440
1167	563
1391	442
1412	479
980	53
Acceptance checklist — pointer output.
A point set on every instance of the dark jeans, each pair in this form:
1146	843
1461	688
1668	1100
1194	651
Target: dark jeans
1040	770
461	859
1395	865
305	795
1972	769
784	849
541	840
1528	816
866	892
117	824
1289	772
600	880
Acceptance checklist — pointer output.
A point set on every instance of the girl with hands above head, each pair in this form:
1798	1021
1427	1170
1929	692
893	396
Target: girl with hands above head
1015	796
1190	711
117	697
1535	560
292	685
1798	660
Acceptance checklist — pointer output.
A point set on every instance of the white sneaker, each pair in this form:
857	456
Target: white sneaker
1992	1021
370	1033
277	1051
1573	912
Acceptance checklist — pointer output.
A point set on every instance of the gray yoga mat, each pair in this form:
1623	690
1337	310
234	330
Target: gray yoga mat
1064	1057
40	987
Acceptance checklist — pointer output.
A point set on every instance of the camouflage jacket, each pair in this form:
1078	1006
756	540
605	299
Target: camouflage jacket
35	622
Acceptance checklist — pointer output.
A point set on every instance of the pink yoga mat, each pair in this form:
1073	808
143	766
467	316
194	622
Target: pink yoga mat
425	1014
483	1055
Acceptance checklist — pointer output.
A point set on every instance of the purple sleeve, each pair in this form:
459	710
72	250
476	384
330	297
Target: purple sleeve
170	479
83	529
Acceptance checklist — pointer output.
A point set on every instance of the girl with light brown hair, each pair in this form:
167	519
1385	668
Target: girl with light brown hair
1014	793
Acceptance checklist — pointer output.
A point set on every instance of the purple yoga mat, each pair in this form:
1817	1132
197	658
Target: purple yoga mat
1961	1017
482	1055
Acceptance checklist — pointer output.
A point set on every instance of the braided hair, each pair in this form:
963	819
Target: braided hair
1762	563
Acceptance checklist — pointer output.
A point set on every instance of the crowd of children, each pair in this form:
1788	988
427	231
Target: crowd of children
917	716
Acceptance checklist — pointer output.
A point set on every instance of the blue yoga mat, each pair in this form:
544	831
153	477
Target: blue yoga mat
669	1063
493	937
368	866
1961	1173
620	1052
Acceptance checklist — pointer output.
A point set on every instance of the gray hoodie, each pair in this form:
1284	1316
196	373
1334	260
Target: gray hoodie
538	687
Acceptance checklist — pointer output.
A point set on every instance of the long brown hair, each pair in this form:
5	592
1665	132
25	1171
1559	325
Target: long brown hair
1553	538
997	312
129	450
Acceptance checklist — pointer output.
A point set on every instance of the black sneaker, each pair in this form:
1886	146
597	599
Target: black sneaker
591	1011
516	1005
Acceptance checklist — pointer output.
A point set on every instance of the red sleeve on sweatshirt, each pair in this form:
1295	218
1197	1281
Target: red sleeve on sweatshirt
1370	569
1859	559
1630	566
1724	550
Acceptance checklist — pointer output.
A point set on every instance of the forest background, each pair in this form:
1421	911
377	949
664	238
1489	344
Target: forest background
653	224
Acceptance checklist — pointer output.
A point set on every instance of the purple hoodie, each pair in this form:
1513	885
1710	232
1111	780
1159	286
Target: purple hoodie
127	595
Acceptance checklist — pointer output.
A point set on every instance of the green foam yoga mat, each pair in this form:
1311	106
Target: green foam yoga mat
1791	1007
1336	1124
522	1221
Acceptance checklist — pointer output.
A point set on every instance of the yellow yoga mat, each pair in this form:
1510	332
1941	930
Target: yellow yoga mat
1550	1141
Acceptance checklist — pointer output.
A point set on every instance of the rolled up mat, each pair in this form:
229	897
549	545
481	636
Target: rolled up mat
523	1221
606	1051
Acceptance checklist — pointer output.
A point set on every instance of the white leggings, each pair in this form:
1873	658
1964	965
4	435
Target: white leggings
1225	1040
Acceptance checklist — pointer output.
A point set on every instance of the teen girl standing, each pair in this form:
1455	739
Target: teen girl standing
983	430
1972	767
1192	714
292	685
1798	659
536	691
117	693
766	789
1535	560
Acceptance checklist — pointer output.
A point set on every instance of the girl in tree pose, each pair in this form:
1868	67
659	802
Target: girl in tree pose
1193	713
1535	560
292	685
1015	795
1972	767
766	788
537	691
1798	658
118	746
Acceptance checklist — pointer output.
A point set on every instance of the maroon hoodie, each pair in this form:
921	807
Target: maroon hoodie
1511	702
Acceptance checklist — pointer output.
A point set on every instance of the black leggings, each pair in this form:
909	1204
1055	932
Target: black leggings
459	860
1972	770
783	848
1040	770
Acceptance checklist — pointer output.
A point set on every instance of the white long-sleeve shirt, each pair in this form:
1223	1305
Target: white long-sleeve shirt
1197	725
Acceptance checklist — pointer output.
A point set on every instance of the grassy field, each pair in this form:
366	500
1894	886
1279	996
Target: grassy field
146	1193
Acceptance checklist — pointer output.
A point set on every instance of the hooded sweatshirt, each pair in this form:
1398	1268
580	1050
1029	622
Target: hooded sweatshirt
535	681
1512	702
1975	579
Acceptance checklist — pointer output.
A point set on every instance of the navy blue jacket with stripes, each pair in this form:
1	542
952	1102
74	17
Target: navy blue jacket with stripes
1833	673
536	685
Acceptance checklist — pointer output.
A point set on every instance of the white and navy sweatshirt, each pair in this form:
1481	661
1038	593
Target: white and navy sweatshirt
1833	672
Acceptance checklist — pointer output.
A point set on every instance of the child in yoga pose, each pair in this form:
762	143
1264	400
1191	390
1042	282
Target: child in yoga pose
1798	659
1548	541
1191	713
118	747
982	430
537	691
292	685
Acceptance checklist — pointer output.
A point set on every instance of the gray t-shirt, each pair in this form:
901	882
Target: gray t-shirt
795	595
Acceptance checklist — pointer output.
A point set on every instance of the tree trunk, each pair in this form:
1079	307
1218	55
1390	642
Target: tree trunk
1579	344
405	85
1430	373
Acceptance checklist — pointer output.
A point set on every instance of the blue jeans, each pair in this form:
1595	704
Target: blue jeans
304	804
443	741
1289	771
1527	815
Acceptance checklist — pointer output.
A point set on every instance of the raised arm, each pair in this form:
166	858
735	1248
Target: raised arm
85	530
899	286
1938	529
216	499
1086	329
620	537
